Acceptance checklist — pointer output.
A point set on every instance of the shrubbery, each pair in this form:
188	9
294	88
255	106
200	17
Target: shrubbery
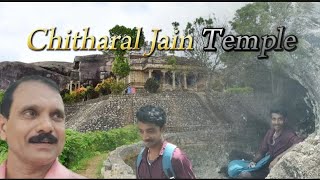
64	92
1	95
239	90
217	86
79	146
104	87
151	85
91	93
3	150
117	87
107	86
83	145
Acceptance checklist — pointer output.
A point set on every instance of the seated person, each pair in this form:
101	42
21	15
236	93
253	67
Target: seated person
278	139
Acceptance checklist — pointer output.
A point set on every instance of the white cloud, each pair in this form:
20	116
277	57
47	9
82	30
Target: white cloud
18	20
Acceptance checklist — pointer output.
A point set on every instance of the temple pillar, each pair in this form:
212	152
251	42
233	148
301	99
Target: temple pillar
150	73
173	80
70	86
163	82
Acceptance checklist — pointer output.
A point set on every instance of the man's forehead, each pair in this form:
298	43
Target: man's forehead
147	125
33	86
34	91
276	115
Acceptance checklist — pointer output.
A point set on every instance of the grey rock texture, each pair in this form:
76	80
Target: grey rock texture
12	71
303	65
63	68
300	163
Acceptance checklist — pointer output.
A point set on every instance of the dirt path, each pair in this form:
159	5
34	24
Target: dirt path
93	167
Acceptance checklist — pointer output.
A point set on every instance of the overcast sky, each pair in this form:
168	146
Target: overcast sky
18	20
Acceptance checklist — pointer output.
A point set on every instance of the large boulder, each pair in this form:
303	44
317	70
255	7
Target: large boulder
12	71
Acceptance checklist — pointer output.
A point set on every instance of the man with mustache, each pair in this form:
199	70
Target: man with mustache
151	124
277	141
32	122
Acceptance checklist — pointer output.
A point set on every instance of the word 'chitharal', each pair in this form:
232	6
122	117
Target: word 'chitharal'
102	43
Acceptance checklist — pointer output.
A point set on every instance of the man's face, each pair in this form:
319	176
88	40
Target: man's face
150	134
36	110
277	121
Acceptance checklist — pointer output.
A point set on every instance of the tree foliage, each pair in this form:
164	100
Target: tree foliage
195	28
1	95
125	31
152	85
121	66
263	18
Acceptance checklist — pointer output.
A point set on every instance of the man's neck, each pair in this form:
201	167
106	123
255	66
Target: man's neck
157	148
278	132
18	169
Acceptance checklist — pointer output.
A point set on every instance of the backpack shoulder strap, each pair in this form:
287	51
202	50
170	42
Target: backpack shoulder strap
139	159
166	160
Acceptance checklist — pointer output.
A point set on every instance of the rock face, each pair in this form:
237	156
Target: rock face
115	167
12	71
303	65
63	68
300	163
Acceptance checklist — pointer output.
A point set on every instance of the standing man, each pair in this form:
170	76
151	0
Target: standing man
160	159
277	141
32	122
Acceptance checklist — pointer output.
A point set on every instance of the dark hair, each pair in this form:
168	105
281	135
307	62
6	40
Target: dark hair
281	111
8	95
152	114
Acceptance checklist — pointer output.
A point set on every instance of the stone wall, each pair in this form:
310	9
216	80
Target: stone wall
115	167
186	111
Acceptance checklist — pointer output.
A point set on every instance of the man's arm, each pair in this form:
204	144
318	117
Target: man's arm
182	165
257	157
295	139
263	149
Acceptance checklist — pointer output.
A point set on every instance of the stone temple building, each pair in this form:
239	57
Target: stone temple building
181	73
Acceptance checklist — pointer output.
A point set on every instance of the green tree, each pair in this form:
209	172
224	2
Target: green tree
195	28
151	85
252	19
121	66
263	18
175	33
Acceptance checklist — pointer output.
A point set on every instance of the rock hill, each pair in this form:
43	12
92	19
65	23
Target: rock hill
11	71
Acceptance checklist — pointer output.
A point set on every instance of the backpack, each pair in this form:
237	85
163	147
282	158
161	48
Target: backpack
235	167
166	160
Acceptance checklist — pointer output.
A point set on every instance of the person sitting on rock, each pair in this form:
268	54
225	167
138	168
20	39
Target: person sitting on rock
278	140
152	162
